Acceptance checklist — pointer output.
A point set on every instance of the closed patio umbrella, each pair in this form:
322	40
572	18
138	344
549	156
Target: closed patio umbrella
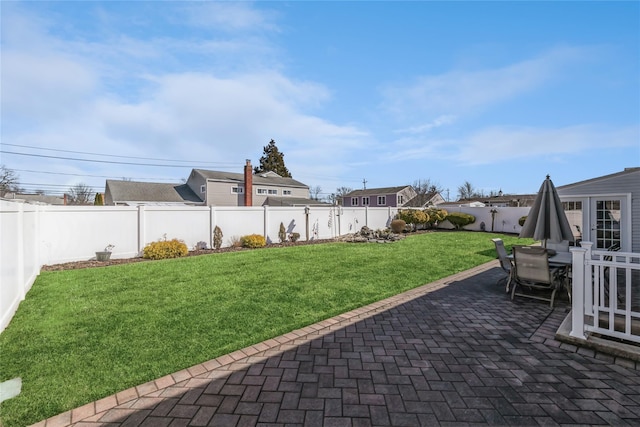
547	219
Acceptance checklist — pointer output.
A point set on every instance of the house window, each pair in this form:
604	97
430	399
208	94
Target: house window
286	192
203	188
365	201
354	201
261	191
400	199
275	192
237	190
572	206
382	200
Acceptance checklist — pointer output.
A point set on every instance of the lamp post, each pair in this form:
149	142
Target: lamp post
493	211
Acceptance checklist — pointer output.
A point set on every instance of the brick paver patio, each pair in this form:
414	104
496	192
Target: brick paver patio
453	352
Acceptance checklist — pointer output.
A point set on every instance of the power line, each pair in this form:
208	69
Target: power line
100	161
95	176
114	155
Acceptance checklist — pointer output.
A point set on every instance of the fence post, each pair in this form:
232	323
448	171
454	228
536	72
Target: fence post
266	222
579	290
212	224
141	228
20	252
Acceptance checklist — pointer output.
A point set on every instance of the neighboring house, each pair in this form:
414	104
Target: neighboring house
425	200
37	198
462	204
212	188
133	193
230	189
605	210
509	200
379	197
500	201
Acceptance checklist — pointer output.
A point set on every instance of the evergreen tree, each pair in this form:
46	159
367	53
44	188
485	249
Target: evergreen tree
272	160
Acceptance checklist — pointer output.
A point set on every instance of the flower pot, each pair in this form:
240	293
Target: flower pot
103	256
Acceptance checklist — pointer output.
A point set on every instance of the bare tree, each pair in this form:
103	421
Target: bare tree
426	186
80	194
315	192
466	191
8	180
340	192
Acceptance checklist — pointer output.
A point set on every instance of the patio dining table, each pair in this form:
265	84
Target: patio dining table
557	260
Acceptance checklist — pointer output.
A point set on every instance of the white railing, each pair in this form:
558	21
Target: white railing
606	293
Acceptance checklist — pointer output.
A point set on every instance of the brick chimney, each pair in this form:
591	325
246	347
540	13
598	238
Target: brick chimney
248	184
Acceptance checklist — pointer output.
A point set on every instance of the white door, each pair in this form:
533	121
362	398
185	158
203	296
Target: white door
607	225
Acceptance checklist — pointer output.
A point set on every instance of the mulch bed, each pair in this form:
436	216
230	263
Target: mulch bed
94	263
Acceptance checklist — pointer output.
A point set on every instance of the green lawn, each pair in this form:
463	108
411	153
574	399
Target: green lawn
81	335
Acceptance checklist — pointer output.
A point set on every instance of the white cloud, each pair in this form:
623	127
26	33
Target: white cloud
496	145
426	127
230	16
459	92
44	87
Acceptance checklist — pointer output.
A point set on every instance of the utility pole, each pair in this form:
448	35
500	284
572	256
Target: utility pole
364	184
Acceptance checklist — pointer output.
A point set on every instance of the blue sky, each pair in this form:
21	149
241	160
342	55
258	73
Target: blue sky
498	94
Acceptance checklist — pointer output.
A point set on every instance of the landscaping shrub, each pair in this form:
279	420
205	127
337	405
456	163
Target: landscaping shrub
165	249
217	237
282	233
253	241
294	236
398	225
460	219
413	216
435	216
522	220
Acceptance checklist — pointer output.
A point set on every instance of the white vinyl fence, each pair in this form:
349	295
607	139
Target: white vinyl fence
35	235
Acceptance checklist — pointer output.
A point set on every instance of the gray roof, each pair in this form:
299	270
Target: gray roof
420	200
292	201
38	198
626	171
376	191
124	191
270	178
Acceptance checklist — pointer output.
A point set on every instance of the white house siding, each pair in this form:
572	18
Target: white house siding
619	184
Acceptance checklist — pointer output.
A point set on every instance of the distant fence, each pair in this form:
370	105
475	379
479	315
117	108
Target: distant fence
35	235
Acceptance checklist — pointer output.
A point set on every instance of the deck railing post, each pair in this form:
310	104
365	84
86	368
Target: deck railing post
580	288
588	277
